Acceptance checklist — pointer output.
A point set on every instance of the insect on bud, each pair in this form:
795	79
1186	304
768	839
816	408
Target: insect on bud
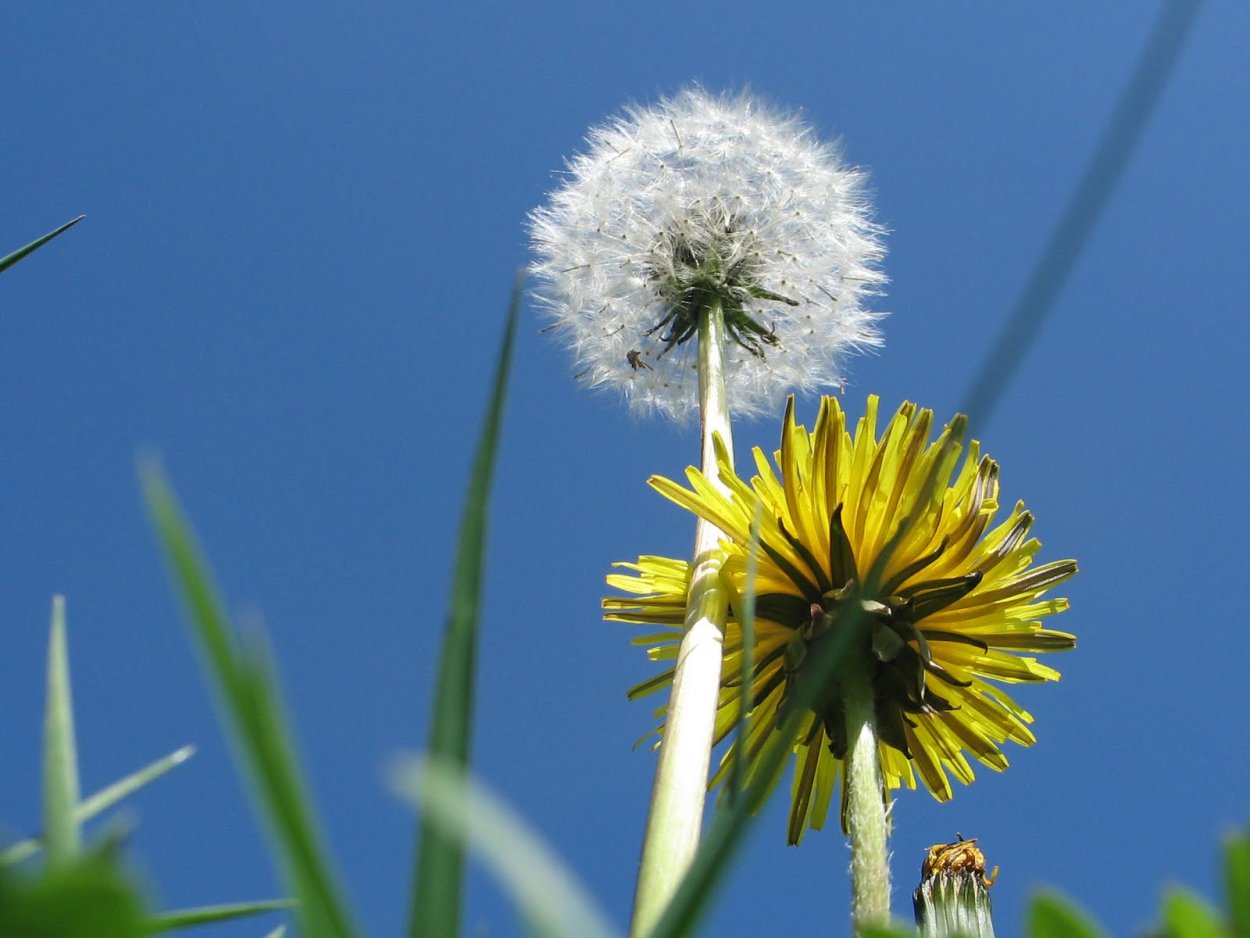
954	893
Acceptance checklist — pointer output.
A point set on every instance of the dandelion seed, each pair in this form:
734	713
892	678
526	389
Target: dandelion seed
707	199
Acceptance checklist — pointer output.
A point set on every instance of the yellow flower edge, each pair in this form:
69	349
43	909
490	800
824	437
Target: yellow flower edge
894	523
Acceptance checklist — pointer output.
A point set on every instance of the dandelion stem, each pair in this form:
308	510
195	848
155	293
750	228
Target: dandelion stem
676	816
870	869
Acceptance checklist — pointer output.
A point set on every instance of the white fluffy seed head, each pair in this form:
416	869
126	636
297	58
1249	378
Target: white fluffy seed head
662	189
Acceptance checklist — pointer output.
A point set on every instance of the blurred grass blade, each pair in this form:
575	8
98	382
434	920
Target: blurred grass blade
249	704
435	910
1052	917
277	932
1237	881
1085	207
17	852
60	755
11	259
185	918
746	664
105	798
550	898
1187	916
102	800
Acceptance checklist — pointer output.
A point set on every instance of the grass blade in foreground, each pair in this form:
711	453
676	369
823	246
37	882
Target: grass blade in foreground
101	801
1070	236
550	898
1187	916
435	908
1237	880
248	698
185	918
11	259
105	798
60	756
1052	917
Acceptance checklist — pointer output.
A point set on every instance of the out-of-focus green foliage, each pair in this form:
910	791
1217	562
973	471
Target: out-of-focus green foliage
86	897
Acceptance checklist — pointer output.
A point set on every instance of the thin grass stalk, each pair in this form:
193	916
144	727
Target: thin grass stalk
439	868
60	754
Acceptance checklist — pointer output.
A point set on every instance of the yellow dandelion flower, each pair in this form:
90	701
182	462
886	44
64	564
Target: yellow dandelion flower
899	526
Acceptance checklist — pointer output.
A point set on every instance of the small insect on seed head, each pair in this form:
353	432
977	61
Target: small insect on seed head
636	361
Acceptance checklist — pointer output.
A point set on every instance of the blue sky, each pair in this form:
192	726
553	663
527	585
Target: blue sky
303	222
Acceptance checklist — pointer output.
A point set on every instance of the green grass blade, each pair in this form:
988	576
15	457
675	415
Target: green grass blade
105	798
1237	881
1052	917
250	706
1085	207
881	931
22	850
746	667
551	900
277	932
435	909
60	755
1187	916
11	259
102	800
205	915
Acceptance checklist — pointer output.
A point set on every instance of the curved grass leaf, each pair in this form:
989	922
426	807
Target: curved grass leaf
11	259
205	915
60	755
102	800
551	900
250	705
435	909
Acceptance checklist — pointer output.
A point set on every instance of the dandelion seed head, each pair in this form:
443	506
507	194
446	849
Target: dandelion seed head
708	195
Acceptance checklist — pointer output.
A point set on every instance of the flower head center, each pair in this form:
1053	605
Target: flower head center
884	634
710	257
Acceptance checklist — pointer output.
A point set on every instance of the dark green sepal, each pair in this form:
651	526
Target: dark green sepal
937	635
823	583
935	595
841	554
782	608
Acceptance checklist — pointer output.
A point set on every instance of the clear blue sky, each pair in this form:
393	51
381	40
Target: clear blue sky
302	226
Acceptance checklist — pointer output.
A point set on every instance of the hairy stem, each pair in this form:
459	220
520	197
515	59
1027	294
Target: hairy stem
870	869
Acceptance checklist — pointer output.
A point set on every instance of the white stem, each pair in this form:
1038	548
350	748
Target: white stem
676	816
870	868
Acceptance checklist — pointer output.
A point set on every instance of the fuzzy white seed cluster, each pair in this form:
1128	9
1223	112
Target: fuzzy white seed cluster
708	193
